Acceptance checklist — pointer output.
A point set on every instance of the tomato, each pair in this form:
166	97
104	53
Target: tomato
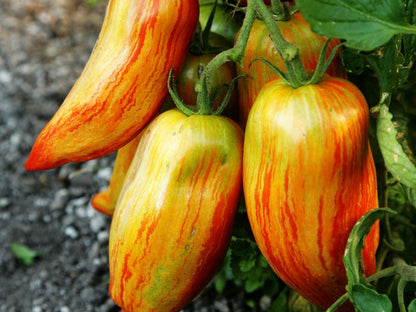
105	201
190	75
173	220
123	84
308	176
296	31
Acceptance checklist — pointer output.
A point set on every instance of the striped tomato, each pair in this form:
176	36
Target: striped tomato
297	31
105	201
191	73
123	84
308	177
173	220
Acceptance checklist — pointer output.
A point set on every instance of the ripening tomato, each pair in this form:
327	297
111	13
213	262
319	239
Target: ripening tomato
173	220
308	176
297	31
190	75
123	83
105	201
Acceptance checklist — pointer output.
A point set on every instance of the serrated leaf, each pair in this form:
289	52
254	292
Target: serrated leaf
23	253
280	304
368	300
394	157
253	283
364	24
243	253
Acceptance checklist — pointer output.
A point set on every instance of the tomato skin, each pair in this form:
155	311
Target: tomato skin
190	75
105	201
123	83
296	31
308	176
173	220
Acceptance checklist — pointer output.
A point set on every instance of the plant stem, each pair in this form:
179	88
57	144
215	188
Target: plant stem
338	303
296	72
400	294
234	54
383	273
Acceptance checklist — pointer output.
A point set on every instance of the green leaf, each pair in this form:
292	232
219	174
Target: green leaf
243	252
355	244
353	61
368	300
92	3
220	283
412	306
364	24
396	160
411	195
23	253
280	304
386	63
249	266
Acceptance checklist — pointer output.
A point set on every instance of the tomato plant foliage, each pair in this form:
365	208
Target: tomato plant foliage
365	25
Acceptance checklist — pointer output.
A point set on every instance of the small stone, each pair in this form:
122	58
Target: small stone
60	199
265	302
82	178
103	236
97	223
105	173
5	77
221	306
41	202
4	202
71	232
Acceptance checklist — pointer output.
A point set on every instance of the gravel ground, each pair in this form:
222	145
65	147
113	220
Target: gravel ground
44	46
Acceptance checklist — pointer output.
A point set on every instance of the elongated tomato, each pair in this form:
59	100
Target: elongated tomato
296	31
190	76
105	201
308	177
123	83
173	220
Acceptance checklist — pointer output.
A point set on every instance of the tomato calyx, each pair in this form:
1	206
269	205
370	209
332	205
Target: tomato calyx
205	98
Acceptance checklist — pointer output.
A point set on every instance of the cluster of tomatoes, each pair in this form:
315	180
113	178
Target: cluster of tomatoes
302	162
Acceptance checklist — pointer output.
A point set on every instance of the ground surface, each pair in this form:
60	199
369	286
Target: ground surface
44	46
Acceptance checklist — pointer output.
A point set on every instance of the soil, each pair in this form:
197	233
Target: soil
44	46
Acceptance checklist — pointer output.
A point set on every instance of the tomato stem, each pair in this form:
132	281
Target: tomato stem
296	73
234	54
187	110
338	303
